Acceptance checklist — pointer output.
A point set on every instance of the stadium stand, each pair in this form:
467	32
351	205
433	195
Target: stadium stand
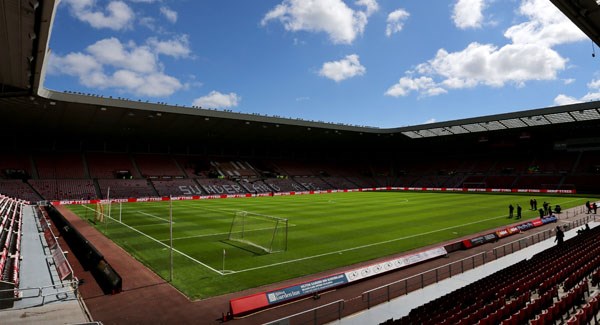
234	169
313	183
284	185
125	188
60	166
256	186
15	166
551	286
110	165
339	182
177	187
19	189
292	168
10	243
57	189
194	166
217	186
157	166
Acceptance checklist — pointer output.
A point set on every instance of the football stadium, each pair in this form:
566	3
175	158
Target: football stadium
127	211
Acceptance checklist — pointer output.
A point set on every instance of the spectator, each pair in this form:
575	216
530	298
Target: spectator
560	235
595	207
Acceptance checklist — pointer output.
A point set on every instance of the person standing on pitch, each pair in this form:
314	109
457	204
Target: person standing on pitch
518	211
531	204
511	208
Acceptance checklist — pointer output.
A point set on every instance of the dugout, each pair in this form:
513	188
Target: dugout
90	258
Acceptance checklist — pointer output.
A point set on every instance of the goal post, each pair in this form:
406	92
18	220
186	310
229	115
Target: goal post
267	233
102	211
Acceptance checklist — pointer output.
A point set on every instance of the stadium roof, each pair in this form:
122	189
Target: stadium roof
585	14
26	28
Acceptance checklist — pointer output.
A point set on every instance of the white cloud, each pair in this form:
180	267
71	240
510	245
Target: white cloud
592	95
395	21
529	55
216	99
406	85
343	69
111	51
568	81
488	65
468	13
178	47
126	67
371	6
565	100
431	120
333	17
171	15
117	15
547	25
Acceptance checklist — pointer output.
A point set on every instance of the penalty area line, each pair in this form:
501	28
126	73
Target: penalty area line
163	244
153	216
364	246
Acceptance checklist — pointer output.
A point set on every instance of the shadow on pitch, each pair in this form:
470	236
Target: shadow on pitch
245	247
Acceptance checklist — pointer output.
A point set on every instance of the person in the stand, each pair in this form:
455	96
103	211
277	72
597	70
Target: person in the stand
595	207
519	211
511	208
560	235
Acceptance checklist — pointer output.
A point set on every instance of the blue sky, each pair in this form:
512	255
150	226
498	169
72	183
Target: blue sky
383	63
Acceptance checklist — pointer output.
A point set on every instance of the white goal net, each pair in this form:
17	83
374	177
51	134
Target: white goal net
261	231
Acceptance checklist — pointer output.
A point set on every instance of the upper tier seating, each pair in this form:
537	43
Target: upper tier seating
106	165
60	166
157	166
125	188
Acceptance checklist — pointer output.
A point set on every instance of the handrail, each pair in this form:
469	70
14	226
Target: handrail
339	302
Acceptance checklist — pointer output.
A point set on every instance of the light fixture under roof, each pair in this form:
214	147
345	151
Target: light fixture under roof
456	129
535	120
439	131
411	134
493	125
513	123
585	115
474	127
559	118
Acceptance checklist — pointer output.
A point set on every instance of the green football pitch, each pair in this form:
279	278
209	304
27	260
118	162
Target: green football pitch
324	231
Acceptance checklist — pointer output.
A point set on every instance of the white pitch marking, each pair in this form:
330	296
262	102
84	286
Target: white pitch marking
158	241
369	245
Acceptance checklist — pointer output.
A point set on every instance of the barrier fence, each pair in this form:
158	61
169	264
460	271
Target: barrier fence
342	308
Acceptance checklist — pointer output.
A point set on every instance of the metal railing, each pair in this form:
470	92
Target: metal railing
61	291
318	315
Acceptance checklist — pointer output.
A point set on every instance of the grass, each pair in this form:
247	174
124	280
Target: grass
325	231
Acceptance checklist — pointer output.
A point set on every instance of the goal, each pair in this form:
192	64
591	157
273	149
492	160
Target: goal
102	211
261	231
